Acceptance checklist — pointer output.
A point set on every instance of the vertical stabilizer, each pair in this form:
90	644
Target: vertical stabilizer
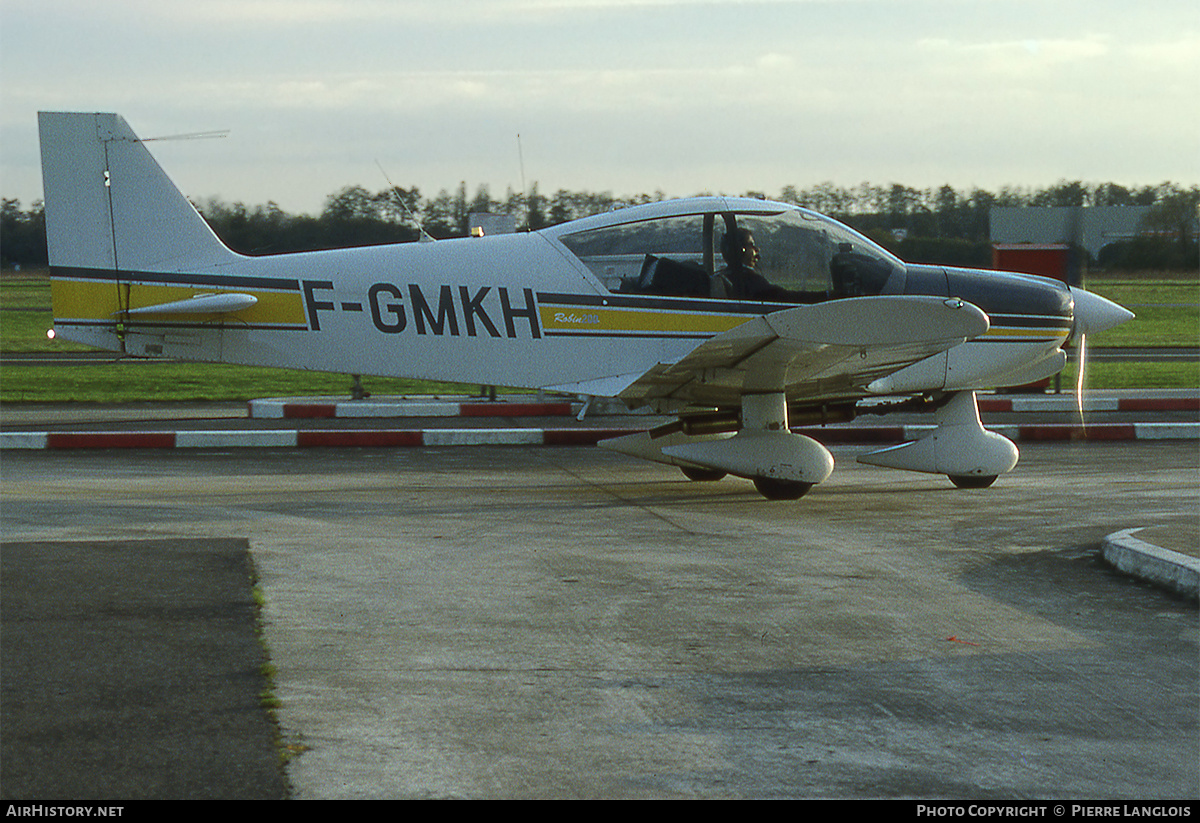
109	205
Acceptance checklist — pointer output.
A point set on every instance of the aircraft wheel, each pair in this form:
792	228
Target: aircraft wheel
773	488
702	475
969	481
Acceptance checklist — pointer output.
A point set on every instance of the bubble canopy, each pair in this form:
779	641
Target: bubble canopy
686	248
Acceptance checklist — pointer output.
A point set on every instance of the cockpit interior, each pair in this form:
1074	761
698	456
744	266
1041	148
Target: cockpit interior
788	256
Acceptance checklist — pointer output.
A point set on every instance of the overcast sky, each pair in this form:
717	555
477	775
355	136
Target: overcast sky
627	96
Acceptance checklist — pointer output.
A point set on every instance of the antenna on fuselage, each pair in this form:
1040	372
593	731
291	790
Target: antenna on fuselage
524	190
425	236
194	135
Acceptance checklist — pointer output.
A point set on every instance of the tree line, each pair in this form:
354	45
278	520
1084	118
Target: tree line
937	225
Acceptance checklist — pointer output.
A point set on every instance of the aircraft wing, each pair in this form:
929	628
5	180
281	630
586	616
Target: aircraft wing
827	349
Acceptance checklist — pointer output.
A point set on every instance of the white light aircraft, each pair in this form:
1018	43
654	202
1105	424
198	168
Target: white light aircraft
739	316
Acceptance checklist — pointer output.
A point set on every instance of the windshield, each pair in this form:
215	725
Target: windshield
809	254
618	254
791	256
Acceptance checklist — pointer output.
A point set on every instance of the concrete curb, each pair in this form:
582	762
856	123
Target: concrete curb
1068	403
1153	564
316	438
294	438
513	405
526	406
307	408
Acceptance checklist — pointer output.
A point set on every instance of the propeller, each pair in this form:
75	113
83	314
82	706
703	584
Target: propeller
1079	381
1093	313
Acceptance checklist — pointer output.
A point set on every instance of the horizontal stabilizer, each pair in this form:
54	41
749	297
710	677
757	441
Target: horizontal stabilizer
200	304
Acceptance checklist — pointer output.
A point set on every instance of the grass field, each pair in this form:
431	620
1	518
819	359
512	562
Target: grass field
1167	308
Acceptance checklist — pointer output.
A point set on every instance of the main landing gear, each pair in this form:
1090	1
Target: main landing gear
785	466
966	481
960	448
771	488
782	465
702	475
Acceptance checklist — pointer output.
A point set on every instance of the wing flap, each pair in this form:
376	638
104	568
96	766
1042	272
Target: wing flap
841	345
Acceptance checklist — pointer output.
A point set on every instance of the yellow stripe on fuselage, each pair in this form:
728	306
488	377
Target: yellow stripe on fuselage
104	300
1007	332
614	320
84	299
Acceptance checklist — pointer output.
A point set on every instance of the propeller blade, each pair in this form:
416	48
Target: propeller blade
1079	379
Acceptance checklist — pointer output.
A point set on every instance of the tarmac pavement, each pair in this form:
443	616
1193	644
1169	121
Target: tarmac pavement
1111	415
90	647
133	669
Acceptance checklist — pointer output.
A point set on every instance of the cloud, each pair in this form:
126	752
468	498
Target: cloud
1178	54
683	95
1015	57
299	13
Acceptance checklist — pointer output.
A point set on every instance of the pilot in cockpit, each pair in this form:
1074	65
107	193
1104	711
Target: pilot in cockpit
742	282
